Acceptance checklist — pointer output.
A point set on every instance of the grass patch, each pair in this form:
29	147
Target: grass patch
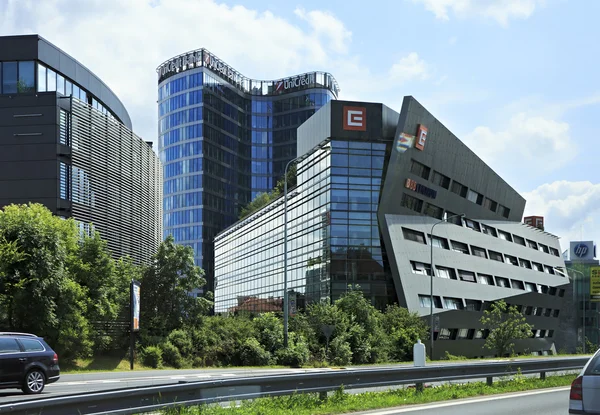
341	402
121	364
100	364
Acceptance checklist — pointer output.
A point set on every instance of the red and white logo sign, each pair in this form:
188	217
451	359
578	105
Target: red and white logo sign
355	118
421	137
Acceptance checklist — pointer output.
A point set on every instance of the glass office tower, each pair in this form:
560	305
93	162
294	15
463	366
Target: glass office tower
223	139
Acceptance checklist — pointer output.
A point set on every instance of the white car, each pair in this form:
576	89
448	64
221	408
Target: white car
585	389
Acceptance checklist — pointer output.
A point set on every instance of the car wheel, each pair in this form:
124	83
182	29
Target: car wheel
34	382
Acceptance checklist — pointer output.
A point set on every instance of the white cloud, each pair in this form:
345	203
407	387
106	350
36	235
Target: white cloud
571	209
543	144
409	68
499	10
329	27
124	41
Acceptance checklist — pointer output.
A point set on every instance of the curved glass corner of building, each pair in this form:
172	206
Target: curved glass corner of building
223	139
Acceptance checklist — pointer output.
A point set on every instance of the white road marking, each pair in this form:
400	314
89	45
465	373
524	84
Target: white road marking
466	401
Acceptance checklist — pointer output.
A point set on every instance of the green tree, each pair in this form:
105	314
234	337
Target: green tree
104	285
263	199
37	294
365	335
166	303
269	331
291	180
505	324
404	329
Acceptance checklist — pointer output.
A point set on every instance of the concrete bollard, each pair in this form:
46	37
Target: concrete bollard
419	354
419	359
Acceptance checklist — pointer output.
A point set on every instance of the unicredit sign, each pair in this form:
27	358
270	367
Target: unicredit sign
295	82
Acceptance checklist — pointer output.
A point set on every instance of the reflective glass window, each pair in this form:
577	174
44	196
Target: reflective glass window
60	84
51	86
26	77
41	78
9	77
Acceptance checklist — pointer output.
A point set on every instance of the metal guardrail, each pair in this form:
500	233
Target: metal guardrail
153	398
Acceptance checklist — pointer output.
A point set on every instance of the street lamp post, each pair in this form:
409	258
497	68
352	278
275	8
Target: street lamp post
321	146
431	279
582	304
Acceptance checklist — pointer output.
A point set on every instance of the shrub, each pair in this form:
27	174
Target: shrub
297	353
340	353
152	357
171	355
253	354
183	341
269	331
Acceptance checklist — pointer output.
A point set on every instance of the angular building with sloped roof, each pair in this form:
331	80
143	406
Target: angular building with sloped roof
397	206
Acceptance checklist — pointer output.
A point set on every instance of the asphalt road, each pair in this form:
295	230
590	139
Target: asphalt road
103	381
73	384
547	402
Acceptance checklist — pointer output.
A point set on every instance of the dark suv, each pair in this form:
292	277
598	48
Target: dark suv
26	362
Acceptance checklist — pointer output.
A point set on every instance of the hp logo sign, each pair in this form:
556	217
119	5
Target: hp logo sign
580	250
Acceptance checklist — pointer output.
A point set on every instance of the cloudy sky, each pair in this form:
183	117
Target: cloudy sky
517	80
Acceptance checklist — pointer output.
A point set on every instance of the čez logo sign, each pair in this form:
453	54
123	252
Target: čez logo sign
580	250
355	118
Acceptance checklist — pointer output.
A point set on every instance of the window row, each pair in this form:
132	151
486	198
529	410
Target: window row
456	246
424	171
507	236
485	279
453	303
471	334
180	117
180	101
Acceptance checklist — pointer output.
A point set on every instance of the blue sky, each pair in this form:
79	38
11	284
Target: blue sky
515	79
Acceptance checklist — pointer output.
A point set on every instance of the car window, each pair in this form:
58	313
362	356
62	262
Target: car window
8	346
31	345
594	365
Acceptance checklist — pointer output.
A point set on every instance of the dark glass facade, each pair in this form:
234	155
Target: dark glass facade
356	249
333	236
223	139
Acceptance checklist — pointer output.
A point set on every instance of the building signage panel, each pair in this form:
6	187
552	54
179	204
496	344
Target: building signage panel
355	118
180	63
404	142
421	137
305	80
582	250
419	188
135	305
196	59
594	283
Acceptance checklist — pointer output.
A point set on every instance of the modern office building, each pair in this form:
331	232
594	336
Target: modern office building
371	185
223	139
585	294
66	142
